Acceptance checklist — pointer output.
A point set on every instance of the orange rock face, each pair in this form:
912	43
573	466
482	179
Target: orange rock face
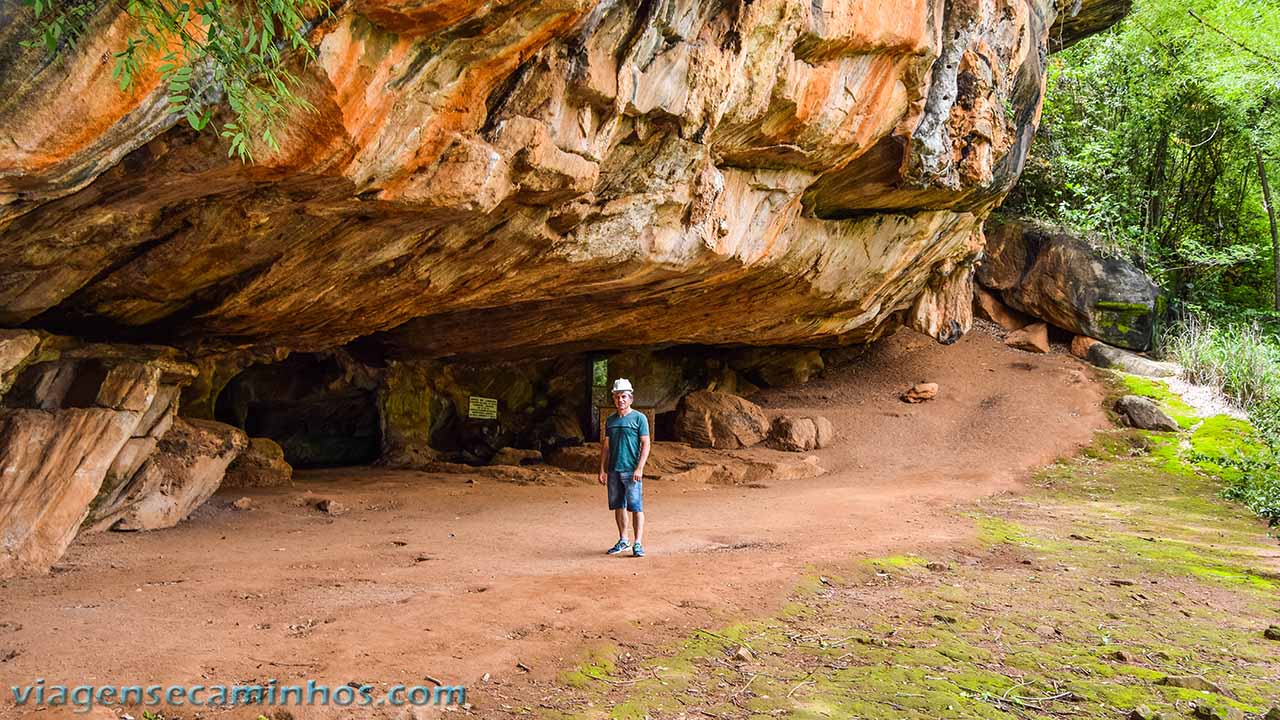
522	177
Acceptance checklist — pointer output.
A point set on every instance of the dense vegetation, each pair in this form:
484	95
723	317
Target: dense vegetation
1152	139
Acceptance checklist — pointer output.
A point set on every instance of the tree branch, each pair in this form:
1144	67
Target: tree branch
1233	41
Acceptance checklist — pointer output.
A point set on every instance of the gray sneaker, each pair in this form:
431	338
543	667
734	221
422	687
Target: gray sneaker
637	550
622	545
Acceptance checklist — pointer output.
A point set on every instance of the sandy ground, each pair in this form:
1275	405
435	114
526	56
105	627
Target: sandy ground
433	575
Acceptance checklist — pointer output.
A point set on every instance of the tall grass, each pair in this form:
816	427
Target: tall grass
1241	360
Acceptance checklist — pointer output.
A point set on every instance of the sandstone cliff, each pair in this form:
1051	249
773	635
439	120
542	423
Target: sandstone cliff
625	173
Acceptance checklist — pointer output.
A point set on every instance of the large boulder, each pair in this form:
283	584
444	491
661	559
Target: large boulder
720	420
185	470
1059	278
261	464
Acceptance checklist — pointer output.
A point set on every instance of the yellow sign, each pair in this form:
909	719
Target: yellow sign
482	408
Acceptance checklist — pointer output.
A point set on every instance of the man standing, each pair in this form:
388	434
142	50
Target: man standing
624	448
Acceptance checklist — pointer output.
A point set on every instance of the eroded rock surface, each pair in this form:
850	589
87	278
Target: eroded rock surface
677	171
72	424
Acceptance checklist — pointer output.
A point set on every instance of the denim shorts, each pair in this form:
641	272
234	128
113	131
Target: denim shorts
625	492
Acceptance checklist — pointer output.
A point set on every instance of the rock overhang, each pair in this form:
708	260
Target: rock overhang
522	177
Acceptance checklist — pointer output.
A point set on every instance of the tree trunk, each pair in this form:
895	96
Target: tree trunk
1271	215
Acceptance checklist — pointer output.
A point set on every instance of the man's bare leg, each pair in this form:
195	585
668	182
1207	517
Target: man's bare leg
637	522
621	516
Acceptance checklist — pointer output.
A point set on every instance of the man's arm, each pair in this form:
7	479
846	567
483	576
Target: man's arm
604	456
644	456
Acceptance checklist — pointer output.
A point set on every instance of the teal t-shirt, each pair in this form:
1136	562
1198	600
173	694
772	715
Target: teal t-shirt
624	435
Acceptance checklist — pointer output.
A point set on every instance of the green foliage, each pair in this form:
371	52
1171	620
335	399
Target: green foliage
209	52
1257	487
1149	144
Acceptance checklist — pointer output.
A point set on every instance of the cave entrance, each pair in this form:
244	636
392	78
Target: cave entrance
320	415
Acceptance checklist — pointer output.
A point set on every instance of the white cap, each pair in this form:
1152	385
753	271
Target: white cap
622	385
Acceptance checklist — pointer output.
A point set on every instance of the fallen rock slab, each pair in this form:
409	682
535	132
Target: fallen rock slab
55	464
185	470
70	423
1114	358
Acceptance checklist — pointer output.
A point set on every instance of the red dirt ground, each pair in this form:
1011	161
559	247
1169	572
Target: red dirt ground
431	575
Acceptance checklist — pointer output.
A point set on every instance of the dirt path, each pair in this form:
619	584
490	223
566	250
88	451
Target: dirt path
432	575
1121	585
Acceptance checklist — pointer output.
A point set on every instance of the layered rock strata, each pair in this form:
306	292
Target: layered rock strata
623	174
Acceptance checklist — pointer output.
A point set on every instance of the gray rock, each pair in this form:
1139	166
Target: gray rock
1144	414
1218	712
1107	356
1142	712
